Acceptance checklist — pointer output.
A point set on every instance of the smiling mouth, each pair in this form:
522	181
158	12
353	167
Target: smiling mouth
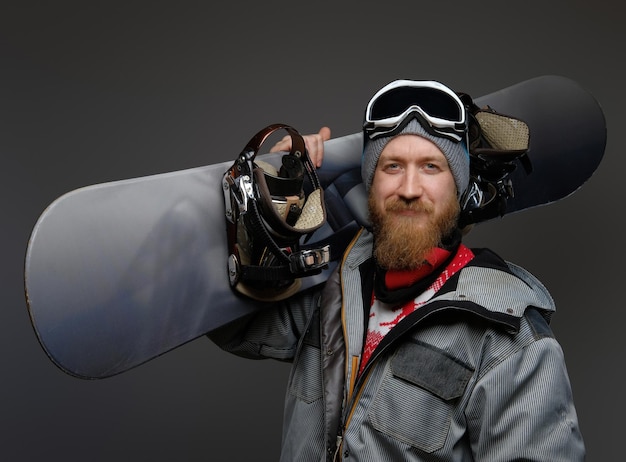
417	216
407	212
407	209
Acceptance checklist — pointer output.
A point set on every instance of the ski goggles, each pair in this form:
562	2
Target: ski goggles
439	109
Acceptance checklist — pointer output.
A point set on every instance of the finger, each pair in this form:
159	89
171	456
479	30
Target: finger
282	145
315	145
316	150
324	133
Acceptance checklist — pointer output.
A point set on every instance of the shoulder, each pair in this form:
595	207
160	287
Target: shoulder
499	284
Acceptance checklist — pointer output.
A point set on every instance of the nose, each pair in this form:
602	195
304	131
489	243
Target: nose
410	186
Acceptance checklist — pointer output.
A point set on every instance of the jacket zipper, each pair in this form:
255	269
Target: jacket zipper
357	382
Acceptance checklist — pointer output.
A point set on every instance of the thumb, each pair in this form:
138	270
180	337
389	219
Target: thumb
324	133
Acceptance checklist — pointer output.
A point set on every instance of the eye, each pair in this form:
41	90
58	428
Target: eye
432	167
391	167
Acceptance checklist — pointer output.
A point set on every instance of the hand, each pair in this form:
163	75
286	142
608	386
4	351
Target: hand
314	145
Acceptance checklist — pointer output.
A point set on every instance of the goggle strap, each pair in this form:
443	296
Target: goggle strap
438	132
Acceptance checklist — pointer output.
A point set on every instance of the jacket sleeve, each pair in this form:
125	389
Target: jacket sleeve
523	409
271	332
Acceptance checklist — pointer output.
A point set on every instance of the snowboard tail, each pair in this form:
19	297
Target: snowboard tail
119	273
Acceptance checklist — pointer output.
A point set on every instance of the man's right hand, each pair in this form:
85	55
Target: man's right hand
314	145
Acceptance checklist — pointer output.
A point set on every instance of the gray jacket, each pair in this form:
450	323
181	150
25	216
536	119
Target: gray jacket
473	375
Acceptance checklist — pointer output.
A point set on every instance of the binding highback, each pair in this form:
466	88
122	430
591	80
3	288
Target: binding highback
270	212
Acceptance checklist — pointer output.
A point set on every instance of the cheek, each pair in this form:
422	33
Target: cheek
441	189
374	198
384	185
446	203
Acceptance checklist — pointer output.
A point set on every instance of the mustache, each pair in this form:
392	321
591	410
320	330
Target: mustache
400	205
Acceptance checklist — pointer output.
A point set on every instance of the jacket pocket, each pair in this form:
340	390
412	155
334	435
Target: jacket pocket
416	398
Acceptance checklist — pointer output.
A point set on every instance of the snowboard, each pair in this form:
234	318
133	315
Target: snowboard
119	273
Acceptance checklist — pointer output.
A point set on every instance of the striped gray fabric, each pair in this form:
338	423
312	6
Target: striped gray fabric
488	382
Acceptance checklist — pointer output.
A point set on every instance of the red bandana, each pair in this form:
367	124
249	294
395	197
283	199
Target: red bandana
406	278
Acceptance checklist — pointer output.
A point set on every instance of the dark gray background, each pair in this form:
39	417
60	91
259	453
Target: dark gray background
98	91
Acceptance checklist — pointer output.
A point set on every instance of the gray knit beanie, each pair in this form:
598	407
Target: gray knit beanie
456	154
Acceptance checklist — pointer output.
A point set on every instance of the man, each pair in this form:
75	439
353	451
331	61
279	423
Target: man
417	348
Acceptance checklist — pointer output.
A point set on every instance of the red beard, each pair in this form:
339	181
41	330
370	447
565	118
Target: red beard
401	242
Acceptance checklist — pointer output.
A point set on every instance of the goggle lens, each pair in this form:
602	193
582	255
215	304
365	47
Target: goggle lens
433	102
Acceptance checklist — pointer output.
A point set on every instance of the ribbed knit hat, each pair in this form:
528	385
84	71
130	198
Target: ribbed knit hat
455	153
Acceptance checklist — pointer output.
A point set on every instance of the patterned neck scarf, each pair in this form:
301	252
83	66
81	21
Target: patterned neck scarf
385	314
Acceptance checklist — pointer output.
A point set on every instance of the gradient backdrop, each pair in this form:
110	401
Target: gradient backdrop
93	92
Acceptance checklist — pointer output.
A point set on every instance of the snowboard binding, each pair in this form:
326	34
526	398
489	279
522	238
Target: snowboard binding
270	213
497	142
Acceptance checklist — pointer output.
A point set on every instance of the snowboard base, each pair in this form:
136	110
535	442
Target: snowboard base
119	273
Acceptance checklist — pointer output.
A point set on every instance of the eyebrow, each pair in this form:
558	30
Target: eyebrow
401	157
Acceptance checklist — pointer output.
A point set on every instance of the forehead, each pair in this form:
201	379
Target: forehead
412	147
